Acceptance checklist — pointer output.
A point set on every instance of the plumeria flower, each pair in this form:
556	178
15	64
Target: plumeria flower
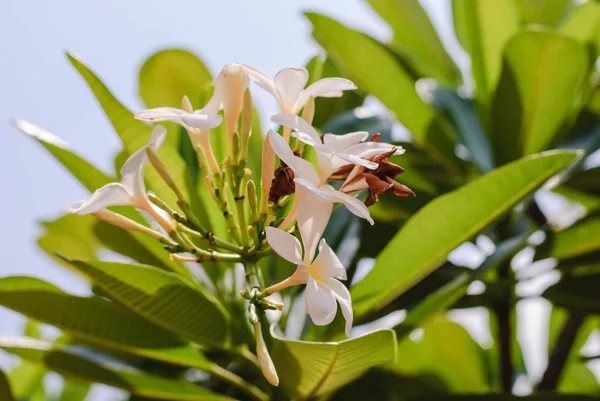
288	87
312	198
321	276
335	151
131	191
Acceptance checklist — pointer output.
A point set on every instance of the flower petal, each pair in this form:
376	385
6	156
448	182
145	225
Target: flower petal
132	172
161	114
301	167
369	149
320	302
326	87
113	194
357	160
285	245
313	216
306	133
342	295
327	263
261	79
289	82
354	205
201	121
340	143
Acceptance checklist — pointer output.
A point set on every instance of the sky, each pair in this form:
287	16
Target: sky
114	37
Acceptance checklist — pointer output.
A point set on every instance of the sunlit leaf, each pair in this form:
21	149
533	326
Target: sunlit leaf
416	39
447	222
528	113
375	70
163	298
58	359
310	369
483	28
545	12
577	240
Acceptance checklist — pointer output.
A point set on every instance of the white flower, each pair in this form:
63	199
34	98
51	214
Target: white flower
312	198
131	191
320	275
334	151
288	87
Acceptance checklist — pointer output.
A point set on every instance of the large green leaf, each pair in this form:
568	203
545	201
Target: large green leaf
58	359
375	70
163	298
416	39
450	293
583	25
74	391
97	321
579	239
447	351
310	369
544	12
5	391
483	28
447	222
135	134
541	79
82	170
168	75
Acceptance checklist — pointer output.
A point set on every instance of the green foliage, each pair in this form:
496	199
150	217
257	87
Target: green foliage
483	145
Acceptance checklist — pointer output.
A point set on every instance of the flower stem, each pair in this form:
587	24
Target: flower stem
238	382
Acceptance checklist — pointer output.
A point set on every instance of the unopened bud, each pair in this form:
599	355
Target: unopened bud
186	104
264	359
121	221
268	166
231	85
251	195
161	169
308	114
246	131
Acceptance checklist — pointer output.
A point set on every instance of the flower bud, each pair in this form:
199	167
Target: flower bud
186	104
231	85
121	221
246	130
251	195
264	359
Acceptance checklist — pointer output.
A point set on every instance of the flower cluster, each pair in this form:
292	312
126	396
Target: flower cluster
256	226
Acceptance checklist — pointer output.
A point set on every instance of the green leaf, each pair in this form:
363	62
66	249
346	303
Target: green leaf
135	134
578	379
26	379
168	75
461	113
83	171
583	25
309	369
416	39
58	359
74	391
579	239
447	351
576	293
447	222
483	28
544	12
375	70
163	298
97	321
5	391
527	115
450	293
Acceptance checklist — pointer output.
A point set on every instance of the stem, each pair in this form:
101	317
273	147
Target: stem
252	276
287	133
560	352
238	382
